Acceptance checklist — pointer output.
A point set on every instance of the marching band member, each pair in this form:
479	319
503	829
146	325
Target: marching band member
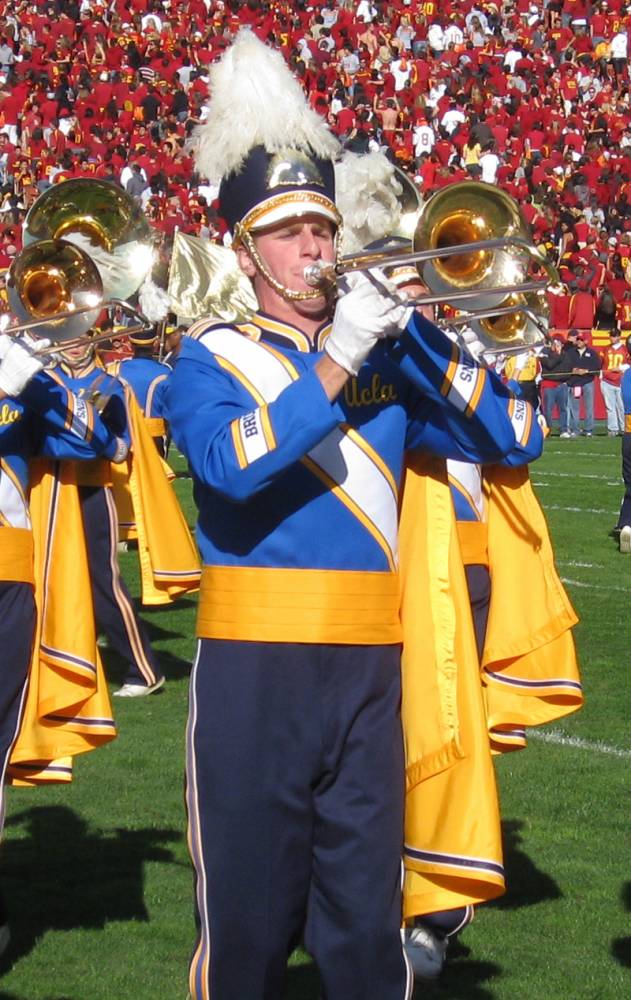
146	377
528	675
296	427
113	607
38	416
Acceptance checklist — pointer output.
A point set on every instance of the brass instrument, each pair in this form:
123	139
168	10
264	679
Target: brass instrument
470	245
103	221
55	288
87	246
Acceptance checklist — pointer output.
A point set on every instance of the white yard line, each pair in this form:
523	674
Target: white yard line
579	510
580	565
593	586
559	738
604	482
582	454
568	475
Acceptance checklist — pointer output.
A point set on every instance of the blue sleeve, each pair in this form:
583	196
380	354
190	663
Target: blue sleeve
470	404
158	403
529	436
232	446
71	427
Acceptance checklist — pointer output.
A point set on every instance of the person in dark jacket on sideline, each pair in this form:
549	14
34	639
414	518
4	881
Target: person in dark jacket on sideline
584	364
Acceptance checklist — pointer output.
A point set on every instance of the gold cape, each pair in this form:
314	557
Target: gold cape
529	669
67	709
453	853
148	510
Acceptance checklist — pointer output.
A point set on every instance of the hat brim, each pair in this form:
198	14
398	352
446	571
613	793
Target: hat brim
287	206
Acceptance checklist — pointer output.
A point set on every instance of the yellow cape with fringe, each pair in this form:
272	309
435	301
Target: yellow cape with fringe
453	851
529	667
530	676
149	511
67	709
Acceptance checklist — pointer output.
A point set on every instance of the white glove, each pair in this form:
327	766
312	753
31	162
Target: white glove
371	309
472	343
18	363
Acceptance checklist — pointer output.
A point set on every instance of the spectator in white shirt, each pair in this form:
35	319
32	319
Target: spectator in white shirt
436	38
489	163
618	48
424	139
453	117
512	57
453	35
366	11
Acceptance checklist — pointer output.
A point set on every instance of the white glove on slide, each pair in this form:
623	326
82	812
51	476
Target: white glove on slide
18	363
472	343
371	309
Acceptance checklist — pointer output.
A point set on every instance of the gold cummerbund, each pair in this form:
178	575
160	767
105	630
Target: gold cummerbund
16	555
96	472
627	423
474	542
260	604
156	426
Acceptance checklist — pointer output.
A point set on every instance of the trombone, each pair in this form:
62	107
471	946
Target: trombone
470	245
87	246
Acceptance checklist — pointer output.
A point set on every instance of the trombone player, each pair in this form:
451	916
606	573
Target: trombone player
38	416
295	757
114	610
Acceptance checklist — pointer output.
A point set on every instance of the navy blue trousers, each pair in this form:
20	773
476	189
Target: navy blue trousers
295	799
17	628
479	588
625	510
113	608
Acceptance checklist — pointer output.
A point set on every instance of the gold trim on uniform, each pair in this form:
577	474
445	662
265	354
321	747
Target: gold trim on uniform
474	542
16	555
299	605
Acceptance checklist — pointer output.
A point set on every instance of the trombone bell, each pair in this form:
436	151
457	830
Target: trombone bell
464	213
52	277
521	327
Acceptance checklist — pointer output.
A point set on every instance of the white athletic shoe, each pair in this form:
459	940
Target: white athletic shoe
138	690
625	539
425	952
565	434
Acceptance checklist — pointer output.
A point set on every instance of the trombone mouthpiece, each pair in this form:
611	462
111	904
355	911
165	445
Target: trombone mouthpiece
321	272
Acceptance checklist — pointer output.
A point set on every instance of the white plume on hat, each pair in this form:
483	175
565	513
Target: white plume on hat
366	195
256	101
154	302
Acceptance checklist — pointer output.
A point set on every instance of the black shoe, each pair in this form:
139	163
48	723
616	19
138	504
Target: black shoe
614	533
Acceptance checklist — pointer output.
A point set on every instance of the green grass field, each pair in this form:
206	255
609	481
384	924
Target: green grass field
97	878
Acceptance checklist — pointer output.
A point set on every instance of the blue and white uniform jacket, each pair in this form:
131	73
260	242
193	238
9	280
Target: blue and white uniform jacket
146	379
298	496
46	419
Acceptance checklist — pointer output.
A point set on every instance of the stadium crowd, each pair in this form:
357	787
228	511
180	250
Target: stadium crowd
531	97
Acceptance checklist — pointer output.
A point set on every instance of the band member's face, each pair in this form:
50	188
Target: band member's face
286	250
76	357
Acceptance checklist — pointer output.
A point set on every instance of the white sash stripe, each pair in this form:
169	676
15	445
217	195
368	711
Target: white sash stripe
12	504
337	455
469	476
79	425
463	384
519	419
